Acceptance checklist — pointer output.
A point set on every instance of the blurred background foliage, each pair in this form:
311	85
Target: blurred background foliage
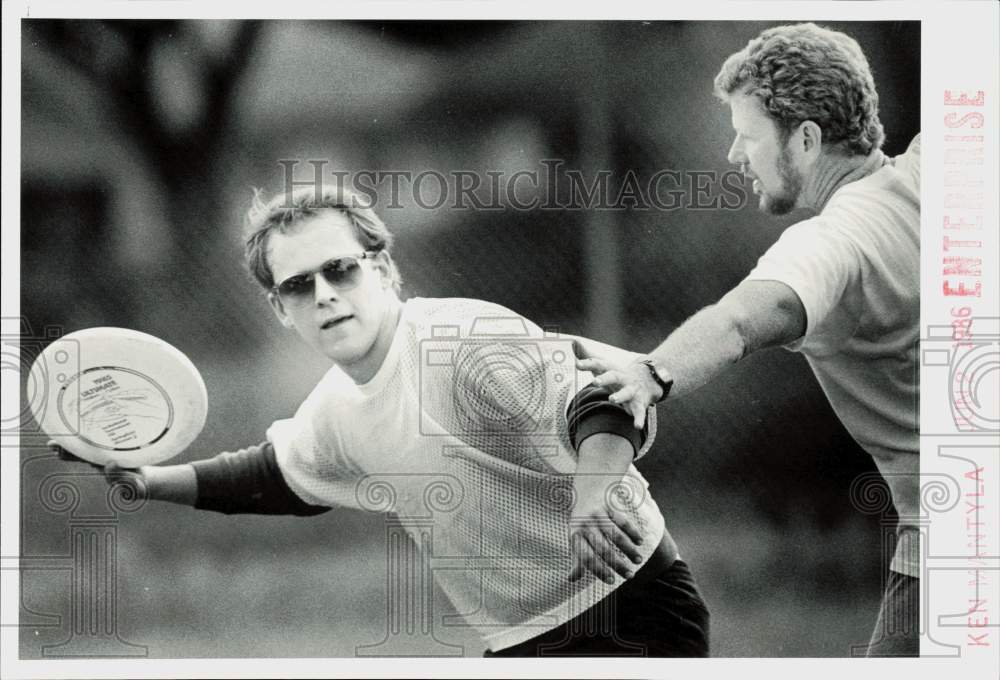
141	143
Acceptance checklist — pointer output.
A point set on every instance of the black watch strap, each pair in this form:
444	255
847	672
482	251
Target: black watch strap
660	375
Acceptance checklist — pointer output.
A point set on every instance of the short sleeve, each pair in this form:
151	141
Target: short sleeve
310	454
820	264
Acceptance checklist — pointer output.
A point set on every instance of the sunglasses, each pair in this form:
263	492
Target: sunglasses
343	273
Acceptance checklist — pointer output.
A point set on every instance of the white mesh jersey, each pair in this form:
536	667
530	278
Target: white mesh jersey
463	431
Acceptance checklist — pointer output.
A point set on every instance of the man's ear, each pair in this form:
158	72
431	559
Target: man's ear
812	139
279	310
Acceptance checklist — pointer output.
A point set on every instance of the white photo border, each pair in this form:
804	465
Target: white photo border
959	93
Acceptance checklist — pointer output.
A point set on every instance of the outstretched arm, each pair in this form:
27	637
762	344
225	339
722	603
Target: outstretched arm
247	481
752	316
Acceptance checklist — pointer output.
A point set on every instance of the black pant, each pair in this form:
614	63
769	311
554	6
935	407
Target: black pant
662	615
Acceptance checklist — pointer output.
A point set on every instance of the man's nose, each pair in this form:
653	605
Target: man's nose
324	292
736	156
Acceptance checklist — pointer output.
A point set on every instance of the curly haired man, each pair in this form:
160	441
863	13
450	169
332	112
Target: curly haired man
841	287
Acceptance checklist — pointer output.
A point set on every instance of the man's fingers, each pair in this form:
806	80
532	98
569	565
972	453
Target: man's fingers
593	550
114	474
60	451
625	395
638	413
631	396
626	540
67	456
586	560
594	564
627	526
576	549
607	556
593	364
581	352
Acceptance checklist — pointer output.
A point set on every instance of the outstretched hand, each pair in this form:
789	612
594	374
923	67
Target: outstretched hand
631	385
112	472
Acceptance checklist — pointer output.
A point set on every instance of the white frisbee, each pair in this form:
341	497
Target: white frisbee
114	394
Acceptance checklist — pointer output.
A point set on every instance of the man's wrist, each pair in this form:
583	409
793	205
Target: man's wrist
660	375
174	483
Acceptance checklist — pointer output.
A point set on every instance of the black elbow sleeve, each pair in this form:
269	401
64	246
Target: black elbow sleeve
248	481
590	412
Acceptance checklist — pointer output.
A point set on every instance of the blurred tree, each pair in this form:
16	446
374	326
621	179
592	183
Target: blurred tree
120	59
163	91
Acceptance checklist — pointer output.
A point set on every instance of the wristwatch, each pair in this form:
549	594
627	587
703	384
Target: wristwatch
660	375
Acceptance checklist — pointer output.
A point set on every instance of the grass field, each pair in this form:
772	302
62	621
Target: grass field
285	587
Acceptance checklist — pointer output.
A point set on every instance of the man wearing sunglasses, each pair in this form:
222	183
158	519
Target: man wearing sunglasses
563	550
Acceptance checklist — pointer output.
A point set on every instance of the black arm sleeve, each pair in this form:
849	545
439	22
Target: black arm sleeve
248	481
590	412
